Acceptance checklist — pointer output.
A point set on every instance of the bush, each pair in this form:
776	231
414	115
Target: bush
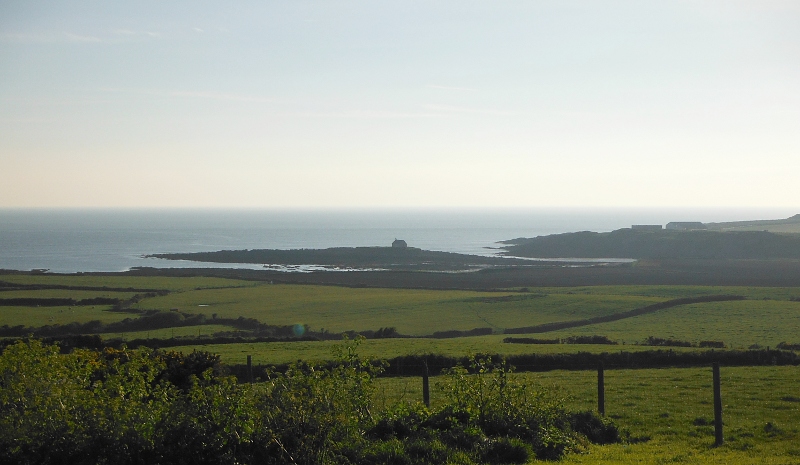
138	406
712	344
786	346
501	408
659	342
384	453
589	340
427	451
310	415
598	430
506	450
530	340
82	407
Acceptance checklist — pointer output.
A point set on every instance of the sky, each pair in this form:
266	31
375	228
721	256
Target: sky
318	104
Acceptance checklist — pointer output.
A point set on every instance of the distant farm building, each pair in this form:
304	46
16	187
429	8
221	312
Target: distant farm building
686	226
646	227
399	244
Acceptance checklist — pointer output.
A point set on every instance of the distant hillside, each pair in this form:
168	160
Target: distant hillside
354	257
664	244
787	225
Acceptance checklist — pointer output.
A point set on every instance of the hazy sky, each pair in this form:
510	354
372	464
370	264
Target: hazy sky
400	103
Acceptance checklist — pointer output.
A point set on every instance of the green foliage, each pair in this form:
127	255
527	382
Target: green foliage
486	417
83	407
311	415
144	406
213	423
501	408
506	450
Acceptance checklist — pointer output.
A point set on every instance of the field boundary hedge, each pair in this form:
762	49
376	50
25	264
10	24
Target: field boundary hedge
415	365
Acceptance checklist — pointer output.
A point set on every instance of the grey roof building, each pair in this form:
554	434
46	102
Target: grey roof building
399	244
686	225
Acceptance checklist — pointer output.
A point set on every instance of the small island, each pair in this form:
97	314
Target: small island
364	258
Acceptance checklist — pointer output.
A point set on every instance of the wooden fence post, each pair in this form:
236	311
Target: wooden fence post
601	390
426	391
717	407
250	368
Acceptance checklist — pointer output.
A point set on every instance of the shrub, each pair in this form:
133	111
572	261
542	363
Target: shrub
589	340
501	408
712	344
786	346
82	407
430	451
384	453
138	406
506	450
530	340
312	415
598	430
657	341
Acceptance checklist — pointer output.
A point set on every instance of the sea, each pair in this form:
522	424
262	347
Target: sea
107	240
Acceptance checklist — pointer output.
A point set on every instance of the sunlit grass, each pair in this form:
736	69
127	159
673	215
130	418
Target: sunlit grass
41	316
671	407
739	324
411	311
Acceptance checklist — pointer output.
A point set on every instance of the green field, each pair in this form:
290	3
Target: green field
40	316
767	317
739	324
413	312
670	408
674	409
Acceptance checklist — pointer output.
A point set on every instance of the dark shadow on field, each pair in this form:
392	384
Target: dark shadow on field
650	272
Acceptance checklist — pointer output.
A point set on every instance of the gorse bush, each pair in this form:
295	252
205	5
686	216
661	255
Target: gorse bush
149	407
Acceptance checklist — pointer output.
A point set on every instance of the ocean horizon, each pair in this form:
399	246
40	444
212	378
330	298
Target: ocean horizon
113	240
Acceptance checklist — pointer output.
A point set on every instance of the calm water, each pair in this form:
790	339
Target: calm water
67	241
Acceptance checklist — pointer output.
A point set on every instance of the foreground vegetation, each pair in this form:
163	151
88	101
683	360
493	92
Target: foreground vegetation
143	406
668	413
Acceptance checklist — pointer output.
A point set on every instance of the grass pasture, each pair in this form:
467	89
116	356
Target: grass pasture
669	412
680	291
41	316
766	318
739	324
412	311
